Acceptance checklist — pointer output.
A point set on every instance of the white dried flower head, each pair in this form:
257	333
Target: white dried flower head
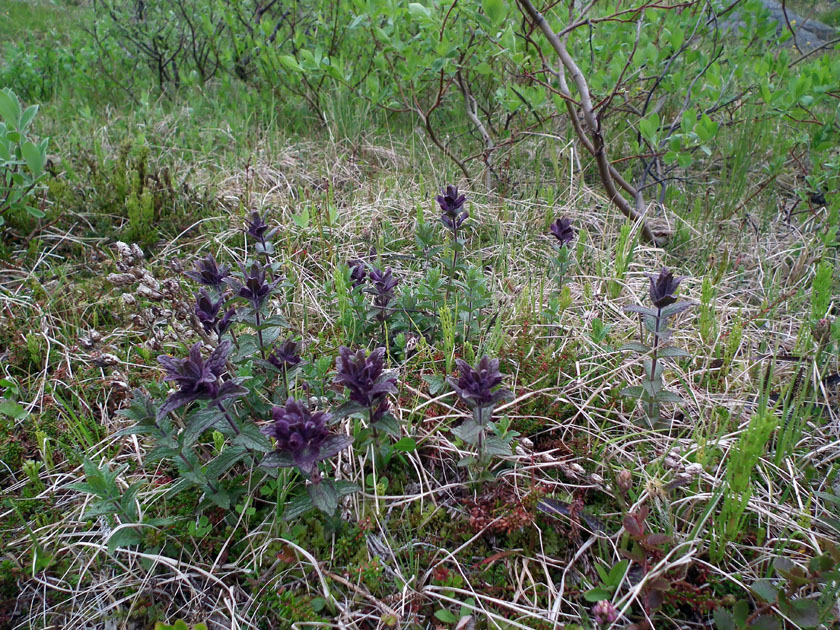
123	250
148	293
149	280
121	279
128	299
694	469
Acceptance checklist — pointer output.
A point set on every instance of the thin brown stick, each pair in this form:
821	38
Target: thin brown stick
594	140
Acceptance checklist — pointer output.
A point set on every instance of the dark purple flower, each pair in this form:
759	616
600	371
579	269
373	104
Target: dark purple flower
358	272
384	284
663	288
207	272
563	231
451	204
475	386
365	377
256	287
285	355
207	312
197	378
258	228
302	435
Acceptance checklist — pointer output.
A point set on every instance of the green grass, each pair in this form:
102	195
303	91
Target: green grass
38	18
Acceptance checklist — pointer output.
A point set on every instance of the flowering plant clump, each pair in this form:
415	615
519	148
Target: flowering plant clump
198	379
452	213
259	229
358	273
369	384
254	286
480	388
564	233
384	284
452	216
663	288
604	613
302	439
662	293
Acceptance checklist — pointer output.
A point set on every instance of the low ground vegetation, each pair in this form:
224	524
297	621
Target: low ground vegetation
379	315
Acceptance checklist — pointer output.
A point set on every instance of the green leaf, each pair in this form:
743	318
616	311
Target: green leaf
617	573
34	158
224	461
324	497
417	10
436	382
805	613
765	590
636	347
671	351
199	422
12	409
446	616
10	108
297	507
765	622
597	594
123	538
724	619
406	445
632	392
666	396
495	10
251	438
290	63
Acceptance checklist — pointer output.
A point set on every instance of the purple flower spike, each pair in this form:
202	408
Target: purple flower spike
365	377
563	231
475	386
258	228
384	284
197	378
302	435
286	355
207	312
208	273
664	287
451	204
256	287
358	272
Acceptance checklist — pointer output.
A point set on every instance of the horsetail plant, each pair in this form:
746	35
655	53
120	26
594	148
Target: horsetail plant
651	392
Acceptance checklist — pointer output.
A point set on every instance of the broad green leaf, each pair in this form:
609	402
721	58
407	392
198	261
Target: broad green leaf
406	445
495	10
597	594
251	438
324	497
724	619
765	590
34	158
446	616
10	108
